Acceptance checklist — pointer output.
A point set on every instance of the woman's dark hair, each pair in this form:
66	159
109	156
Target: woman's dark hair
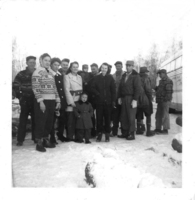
109	69
45	55
71	64
53	60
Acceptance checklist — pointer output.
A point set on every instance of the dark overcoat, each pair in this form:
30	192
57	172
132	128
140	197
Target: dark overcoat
60	89
84	113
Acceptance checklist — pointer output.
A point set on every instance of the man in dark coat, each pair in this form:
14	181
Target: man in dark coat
55	63
163	98
144	103
104	89
22	87
116	111
64	66
91	96
128	94
85	76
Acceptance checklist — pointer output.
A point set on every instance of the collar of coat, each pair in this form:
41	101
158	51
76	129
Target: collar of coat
77	80
81	102
132	73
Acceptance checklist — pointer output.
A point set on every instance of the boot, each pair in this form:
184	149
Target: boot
19	143
99	137
156	131
143	128
124	134
139	129
53	140
47	144
107	137
131	136
87	142
39	146
148	132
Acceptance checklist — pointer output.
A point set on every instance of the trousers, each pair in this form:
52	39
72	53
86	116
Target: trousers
128	114
103	113
83	134
162	115
44	120
27	108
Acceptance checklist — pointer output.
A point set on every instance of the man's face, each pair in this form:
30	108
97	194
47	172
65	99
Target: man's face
129	68
119	67
94	70
31	63
104	69
65	65
162	75
55	66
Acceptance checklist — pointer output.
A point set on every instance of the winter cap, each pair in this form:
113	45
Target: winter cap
162	71
130	62
118	63
66	60
143	70
30	57
94	65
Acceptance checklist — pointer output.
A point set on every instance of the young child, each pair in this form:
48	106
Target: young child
84	113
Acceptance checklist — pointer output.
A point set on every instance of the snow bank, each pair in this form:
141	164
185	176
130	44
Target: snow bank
107	170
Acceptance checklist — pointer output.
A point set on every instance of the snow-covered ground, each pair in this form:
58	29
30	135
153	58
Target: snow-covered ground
64	166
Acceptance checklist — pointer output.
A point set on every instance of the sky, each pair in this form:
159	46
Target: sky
96	30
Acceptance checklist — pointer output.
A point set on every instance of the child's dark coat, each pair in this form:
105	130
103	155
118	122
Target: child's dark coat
83	112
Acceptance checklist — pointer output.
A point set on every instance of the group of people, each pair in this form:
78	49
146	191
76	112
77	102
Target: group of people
88	104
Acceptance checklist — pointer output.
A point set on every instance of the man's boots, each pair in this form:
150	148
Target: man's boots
107	137
39	146
124	134
47	144
99	137
148	132
139	129
131	136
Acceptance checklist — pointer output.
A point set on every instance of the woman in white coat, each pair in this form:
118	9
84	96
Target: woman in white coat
73	89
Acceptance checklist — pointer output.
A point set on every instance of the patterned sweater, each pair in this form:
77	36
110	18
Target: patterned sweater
44	86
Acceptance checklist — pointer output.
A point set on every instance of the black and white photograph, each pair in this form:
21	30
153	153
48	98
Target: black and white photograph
96	91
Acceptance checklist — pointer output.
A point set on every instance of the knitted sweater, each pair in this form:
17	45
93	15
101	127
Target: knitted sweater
43	85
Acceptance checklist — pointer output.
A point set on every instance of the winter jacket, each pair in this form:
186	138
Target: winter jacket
145	98
117	78
85	78
60	88
83	113
22	85
73	89
44	86
132	87
165	90
104	89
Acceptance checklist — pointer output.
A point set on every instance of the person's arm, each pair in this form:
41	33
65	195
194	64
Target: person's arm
36	85
148	88
169	91
113	91
137	87
69	97
90	110
76	111
17	85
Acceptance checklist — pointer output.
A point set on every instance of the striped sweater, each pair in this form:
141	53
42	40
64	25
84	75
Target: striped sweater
43	85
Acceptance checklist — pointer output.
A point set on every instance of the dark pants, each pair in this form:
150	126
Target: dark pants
103	113
162	115
44	121
27	108
116	112
128	115
71	123
93	130
83	134
141	112
61	124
